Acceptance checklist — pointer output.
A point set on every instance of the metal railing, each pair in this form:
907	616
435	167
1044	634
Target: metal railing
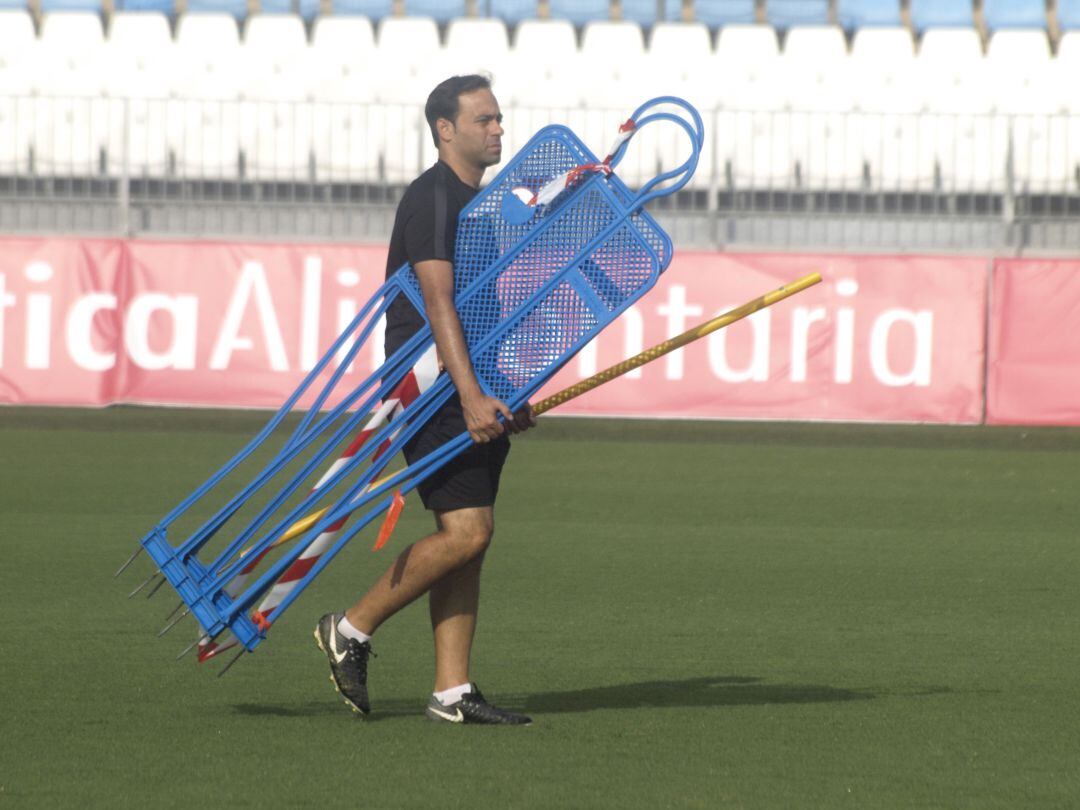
317	169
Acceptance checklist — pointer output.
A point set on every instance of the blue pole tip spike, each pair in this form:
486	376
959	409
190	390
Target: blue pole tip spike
547	255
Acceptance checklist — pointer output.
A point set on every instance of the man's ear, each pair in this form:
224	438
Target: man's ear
446	129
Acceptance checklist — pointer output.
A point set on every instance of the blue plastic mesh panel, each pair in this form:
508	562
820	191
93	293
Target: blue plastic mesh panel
550	329
574	226
503	271
569	315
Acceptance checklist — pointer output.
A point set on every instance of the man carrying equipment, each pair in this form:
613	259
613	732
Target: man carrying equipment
466	126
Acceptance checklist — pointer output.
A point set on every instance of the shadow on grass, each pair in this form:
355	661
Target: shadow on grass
689	693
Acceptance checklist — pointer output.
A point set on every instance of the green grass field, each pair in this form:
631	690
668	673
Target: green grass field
696	615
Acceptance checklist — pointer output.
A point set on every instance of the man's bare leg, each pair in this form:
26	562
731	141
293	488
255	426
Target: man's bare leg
453	603
462	536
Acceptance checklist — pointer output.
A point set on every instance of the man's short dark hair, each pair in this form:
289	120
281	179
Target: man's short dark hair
443	101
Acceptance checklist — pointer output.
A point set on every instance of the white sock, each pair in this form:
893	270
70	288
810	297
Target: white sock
349	631
453	694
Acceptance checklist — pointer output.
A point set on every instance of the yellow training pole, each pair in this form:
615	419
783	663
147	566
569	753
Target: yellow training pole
677	342
608	374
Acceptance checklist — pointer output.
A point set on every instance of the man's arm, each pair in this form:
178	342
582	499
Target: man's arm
481	411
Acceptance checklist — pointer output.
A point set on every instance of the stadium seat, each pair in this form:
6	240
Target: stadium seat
346	133
1069	50
882	63
613	63
959	132
477	46
343	38
141	67
642	12
274	57
342	50
306	9
820	94
18	50
1014	14
1068	15
372	9
237	9
751	127
940	14
553	37
510	12
72	45
580	12
536	91
209	39
203	118
410	61
70	119
16	131
442	11
857	14
752	43
1027	91
1019	49
140	56
614	81
165	7
783	14
681	62
1067	67
347	138
888	101
48	6
674	41
17	37
717	13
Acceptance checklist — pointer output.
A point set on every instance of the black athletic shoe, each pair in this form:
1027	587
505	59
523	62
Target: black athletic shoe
348	662
472	708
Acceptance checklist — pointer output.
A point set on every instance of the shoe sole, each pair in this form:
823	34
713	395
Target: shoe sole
356	709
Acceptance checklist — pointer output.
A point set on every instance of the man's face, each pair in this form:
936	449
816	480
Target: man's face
478	129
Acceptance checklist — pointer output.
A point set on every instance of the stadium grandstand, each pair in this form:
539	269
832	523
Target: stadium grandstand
868	124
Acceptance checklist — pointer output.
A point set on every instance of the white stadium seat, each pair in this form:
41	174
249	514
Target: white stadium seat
18	50
887	100
1028	94
614	82
17	37
72	119
341	56
275	58
346	139
141	66
477	46
275	119
680	62
411	61
751	125
820	94
141	56
958	132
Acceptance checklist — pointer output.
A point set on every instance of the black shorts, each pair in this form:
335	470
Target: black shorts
469	480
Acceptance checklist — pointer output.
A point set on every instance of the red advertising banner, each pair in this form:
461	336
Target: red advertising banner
195	323
1034	343
883	338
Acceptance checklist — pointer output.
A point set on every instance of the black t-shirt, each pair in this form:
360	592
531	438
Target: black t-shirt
425	228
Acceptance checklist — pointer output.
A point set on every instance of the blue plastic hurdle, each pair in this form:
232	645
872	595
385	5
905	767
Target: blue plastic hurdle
547	255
